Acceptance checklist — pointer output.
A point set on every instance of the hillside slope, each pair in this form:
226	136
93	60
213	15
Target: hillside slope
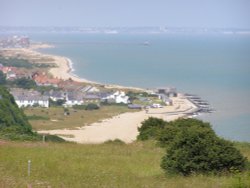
13	122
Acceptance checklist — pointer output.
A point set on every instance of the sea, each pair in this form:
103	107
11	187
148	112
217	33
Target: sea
215	67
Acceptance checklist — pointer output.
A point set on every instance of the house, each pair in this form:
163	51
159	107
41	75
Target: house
116	97
91	98
56	95
70	85
44	80
168	91
166	99
74	98
9	71
90	89
25	98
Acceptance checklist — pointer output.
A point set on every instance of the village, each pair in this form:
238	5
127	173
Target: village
70	93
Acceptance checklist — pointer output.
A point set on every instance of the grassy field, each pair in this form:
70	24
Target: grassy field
54	118
108	165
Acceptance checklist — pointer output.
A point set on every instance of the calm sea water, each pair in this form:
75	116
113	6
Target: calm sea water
216	67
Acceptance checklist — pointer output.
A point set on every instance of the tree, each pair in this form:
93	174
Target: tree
2	78
196	149
25	83
150	128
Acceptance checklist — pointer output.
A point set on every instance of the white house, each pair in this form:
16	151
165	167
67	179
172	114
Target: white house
24	98
73	98
24	101
118	97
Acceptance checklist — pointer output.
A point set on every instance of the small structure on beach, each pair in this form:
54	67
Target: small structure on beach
168	91
165	99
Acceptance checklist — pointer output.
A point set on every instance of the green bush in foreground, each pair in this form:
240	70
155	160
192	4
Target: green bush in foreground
192	147
196	150
150	128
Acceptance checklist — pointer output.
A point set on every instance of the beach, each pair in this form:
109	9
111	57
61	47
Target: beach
63	65
124	126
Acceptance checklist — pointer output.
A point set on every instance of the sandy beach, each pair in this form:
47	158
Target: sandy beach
124	126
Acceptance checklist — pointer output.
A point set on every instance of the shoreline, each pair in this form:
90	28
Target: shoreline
64	66
66	72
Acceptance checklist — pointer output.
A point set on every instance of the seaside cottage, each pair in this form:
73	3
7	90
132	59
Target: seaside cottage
116	97
74	98
25	98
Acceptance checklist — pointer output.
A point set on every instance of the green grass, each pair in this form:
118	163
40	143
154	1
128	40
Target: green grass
54	118
107	165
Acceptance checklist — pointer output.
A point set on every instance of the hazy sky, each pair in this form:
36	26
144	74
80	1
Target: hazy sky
185	13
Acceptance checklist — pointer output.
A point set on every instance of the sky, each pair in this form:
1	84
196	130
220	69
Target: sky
126	13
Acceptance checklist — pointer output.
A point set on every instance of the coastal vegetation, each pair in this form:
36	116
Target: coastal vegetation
14	123
23	63
192	147
2	78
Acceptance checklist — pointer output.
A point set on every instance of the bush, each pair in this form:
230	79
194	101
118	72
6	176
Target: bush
150	128
92	106
79	107
168	133
2	78
196	149
116	142
56	103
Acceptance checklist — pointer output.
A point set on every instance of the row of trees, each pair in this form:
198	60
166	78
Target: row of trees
192	147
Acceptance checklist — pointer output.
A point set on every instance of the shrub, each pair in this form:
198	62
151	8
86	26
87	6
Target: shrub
116	142
58	102
169	131
150	128
92	106
2	78
196	149
79	107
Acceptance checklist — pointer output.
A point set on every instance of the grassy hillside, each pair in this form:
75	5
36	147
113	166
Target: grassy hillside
107	165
